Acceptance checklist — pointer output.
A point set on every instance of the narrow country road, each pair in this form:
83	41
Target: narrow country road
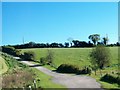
70	81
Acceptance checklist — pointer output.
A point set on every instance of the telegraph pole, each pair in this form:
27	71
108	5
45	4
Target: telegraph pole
23	40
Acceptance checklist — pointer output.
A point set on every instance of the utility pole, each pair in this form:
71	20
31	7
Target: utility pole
23	40
107	38
107	35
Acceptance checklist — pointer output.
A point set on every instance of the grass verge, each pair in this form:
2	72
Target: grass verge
45	81
105	85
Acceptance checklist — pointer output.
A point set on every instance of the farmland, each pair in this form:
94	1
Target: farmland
75	56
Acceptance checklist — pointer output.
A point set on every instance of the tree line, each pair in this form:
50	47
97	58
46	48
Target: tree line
94	41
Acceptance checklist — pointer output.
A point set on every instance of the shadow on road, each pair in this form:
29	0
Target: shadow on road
37	65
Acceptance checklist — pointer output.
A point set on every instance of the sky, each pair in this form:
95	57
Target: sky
47	22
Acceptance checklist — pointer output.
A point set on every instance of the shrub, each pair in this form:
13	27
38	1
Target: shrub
18	79
29	55
8	49
100	57
67	68
43	61
11	50
110	79
85	70
18	52
49	57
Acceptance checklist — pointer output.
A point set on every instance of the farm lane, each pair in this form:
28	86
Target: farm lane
70	81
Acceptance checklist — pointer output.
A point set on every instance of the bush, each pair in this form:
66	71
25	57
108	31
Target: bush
49	57
100	57
43	61
18	53
18	79
85	70
110	79
8	49
29	55
11	50
67	68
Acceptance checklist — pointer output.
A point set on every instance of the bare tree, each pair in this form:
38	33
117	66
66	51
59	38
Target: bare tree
105	40
70	39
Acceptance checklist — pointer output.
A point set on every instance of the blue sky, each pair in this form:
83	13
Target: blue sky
56	22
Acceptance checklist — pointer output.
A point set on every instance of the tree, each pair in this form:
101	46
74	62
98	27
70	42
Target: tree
66	44
61	45
76	43
31	44
95	38
100	57
70	40
43	60
90	44
105	40
49	57
54	45
117	44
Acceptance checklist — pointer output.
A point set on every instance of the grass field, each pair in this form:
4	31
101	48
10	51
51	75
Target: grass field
75	56
3	66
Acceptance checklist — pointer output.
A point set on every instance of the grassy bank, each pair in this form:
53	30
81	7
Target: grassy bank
20	75
3	66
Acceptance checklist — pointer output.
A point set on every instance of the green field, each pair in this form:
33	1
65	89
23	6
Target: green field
75	56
